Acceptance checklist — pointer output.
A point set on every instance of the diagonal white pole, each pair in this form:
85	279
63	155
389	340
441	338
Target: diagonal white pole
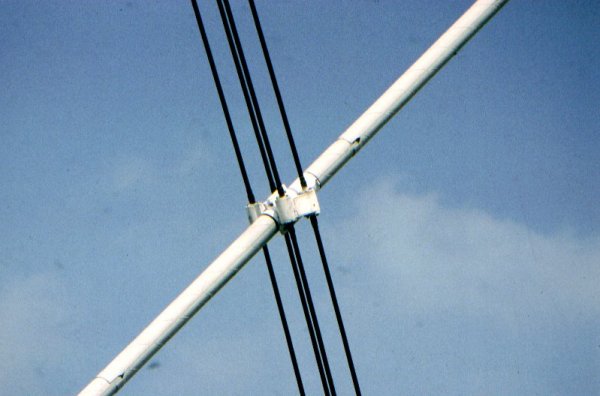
220	271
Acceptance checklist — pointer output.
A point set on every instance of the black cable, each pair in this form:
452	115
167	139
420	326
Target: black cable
313	218
303	183
213	69
307	314
284	117
249	105
250	194
254	111
311	308
250	87
255	115
336	308
286	329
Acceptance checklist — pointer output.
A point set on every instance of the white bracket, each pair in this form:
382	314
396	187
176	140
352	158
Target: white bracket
287	209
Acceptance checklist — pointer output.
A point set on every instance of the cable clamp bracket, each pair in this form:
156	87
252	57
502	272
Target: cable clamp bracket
287	209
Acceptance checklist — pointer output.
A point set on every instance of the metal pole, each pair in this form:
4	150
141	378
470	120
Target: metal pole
176	314
220	271
400	93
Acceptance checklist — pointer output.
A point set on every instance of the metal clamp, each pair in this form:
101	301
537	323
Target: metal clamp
287	209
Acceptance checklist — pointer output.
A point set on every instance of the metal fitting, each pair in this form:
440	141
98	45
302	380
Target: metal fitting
287	209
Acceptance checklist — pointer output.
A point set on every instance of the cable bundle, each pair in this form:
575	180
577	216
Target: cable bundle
274	180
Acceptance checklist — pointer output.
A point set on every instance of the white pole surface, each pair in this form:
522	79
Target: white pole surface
174	316
401	91
220	271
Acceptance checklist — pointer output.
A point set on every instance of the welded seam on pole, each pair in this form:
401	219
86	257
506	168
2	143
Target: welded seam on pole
220	271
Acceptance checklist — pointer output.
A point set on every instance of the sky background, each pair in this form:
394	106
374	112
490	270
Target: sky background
464	239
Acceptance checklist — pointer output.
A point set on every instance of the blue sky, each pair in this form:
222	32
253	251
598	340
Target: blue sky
464	240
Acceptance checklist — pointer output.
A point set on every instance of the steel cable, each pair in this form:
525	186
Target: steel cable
213	69
338	315
313	218
286	124
249	193
303	283
295	258
248	87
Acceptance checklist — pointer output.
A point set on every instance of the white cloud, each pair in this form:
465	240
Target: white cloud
196	156
465	258
128	172
463	302
34	337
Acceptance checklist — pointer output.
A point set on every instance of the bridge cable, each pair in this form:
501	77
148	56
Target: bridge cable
286	124
254	111
249	93
313	218
338	315
251	198
300	274
213	69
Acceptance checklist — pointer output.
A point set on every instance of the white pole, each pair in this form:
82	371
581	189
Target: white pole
220	271
401	91
176	314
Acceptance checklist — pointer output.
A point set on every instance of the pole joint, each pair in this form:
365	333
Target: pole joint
291	207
